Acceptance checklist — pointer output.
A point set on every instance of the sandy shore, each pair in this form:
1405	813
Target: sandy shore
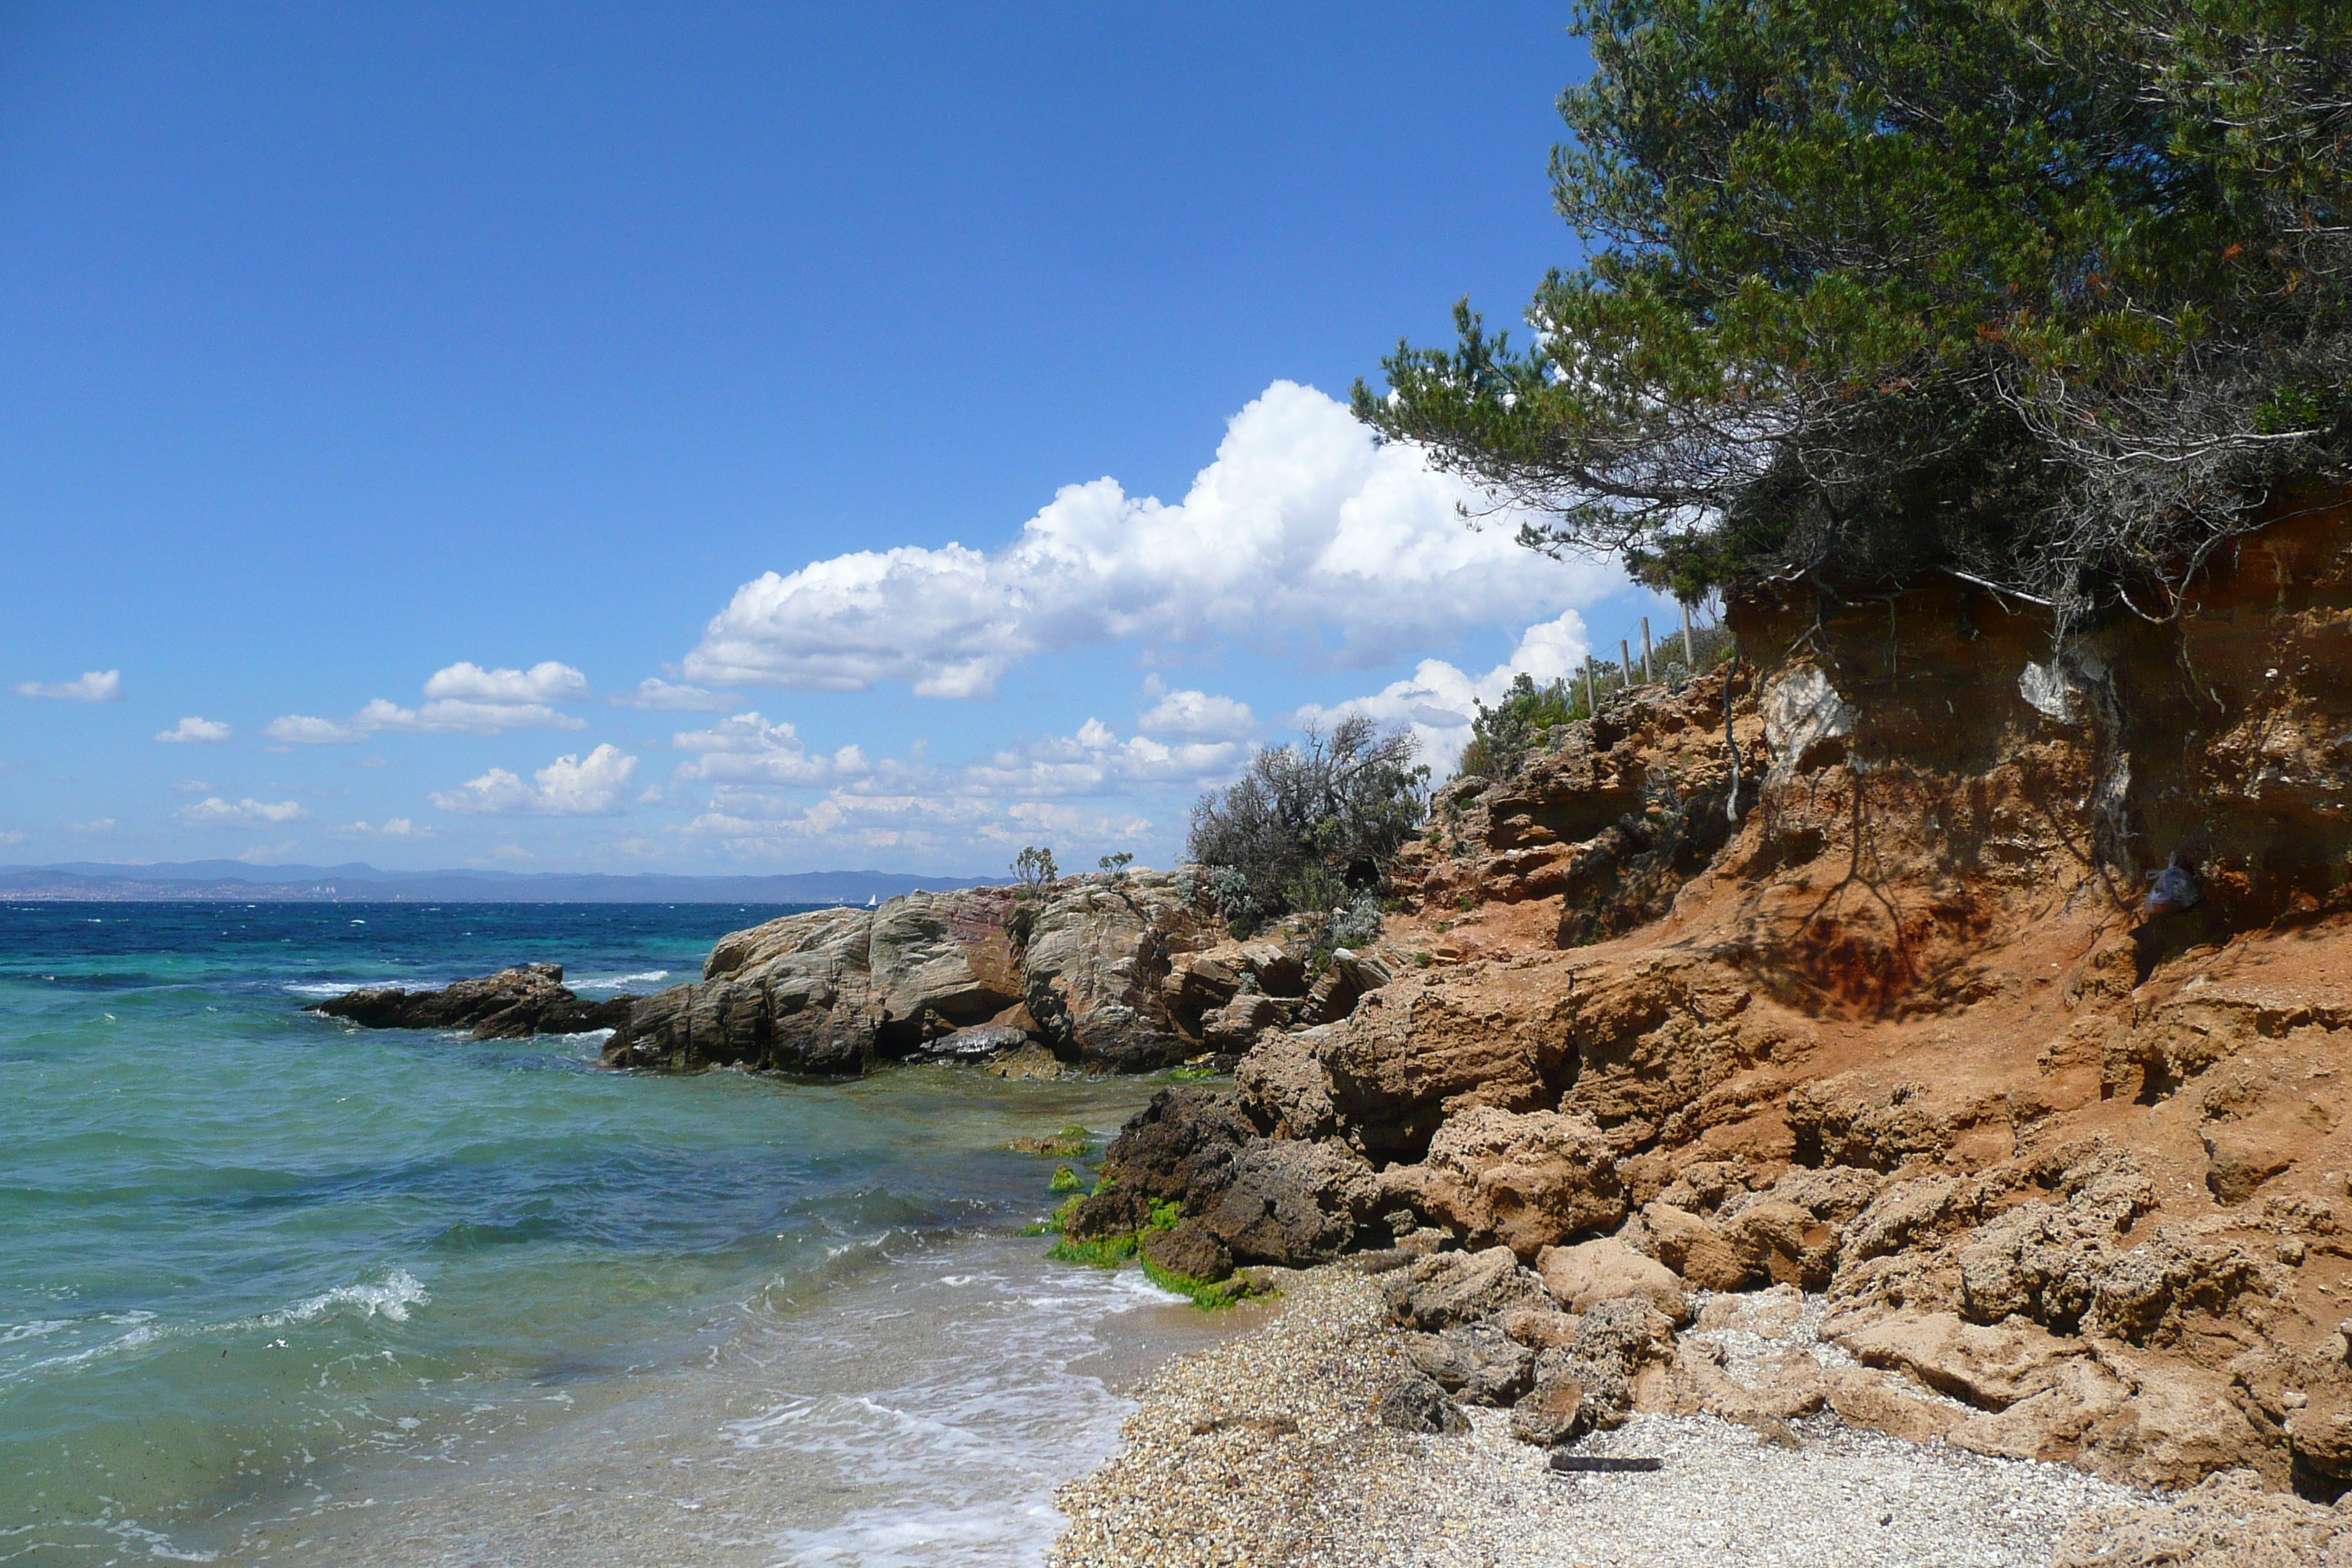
1263	1450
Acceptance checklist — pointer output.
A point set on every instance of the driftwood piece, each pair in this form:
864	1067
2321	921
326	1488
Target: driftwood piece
1606	1464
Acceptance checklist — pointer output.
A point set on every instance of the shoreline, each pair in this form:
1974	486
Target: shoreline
1264	1450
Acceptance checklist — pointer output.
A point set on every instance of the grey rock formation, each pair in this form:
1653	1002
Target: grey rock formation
1128	974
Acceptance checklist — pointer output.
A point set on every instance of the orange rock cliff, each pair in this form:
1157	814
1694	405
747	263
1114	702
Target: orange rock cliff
2003	1001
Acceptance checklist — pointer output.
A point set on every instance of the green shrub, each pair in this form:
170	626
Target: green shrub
1034	870
1285	835
1501	737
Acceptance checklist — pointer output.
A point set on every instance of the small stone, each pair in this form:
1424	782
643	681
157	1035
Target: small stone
1416	1403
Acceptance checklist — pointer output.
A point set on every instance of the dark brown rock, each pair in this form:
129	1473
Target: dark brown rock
1293	1204
1189	1250
1414	1403
529	999
1181	1147
1116	1211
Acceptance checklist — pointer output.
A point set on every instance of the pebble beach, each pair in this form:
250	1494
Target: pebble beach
1263	1450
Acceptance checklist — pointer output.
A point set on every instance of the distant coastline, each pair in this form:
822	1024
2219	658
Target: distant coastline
356	883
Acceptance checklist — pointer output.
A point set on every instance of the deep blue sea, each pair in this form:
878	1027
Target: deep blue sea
276	1289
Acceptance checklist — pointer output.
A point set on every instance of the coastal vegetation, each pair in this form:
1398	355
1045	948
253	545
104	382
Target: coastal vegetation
1502	736
1308	827
2050	295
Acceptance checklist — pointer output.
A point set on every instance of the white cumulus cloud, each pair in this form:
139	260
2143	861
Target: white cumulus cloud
1095	760
546	682
570	785
1073	790
194	729
215	812
1301	527
1439	700
391	827
464	699
299	729
1194	714
90	686
748	748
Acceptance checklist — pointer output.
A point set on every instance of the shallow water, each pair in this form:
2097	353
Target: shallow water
275	1290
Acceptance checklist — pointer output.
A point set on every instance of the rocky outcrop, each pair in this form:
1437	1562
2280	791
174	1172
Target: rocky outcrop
529	999
1122	972
1834	980
1603	829
1523	1180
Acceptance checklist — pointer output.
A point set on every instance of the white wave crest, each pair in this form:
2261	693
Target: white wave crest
400	1292
318	987
615	981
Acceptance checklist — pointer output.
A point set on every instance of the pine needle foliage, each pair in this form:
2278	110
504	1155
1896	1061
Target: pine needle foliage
2051	294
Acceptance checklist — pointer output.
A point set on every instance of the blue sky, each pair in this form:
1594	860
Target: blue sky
391	394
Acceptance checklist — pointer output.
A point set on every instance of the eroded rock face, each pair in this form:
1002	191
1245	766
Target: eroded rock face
1447	1288
1527	1180
1479	1365
1581	1277
1610	823
2225	1519
2068	1173
529	999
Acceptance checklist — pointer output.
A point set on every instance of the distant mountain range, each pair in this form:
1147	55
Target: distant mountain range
356	882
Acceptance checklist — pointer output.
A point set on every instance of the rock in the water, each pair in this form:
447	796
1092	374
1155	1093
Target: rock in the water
980	1040
1107	1213
1293	1204
1187	1251
1181	1147
529	999
1079	967
1414	1403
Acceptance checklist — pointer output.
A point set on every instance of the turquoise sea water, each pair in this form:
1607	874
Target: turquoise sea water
276	1289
